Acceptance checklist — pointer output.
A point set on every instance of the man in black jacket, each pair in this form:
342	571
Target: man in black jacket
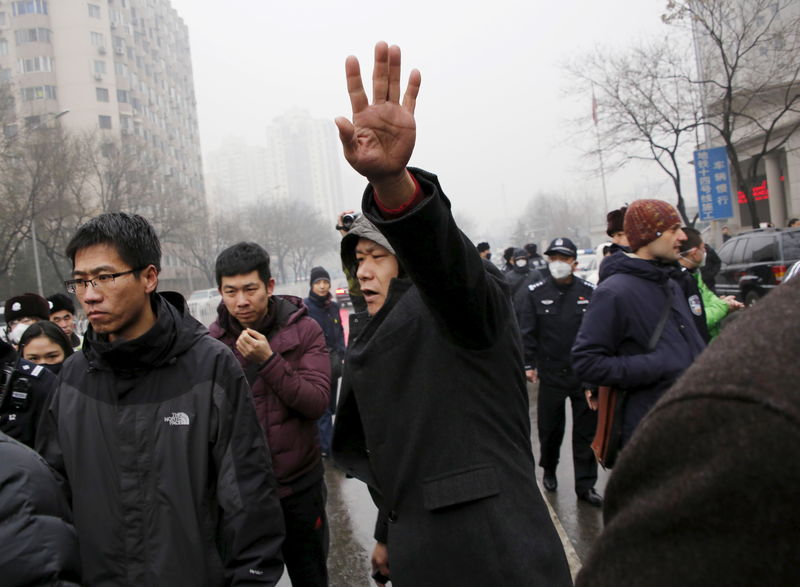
153	426
550	317
434	412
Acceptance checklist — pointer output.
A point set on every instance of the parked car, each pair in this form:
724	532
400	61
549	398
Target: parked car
342	296
587	265
755	262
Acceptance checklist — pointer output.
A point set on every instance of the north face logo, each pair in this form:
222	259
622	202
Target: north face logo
177	419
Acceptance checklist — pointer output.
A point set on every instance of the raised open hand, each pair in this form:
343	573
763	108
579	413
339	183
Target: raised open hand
379	141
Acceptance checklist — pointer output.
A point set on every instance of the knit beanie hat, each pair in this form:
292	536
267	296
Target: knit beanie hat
614	221
59	302
26	305
646	220
318	273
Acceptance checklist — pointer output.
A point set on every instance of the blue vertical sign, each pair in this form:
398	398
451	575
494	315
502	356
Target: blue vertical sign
714	195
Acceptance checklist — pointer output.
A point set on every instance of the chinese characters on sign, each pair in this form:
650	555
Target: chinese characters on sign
713	183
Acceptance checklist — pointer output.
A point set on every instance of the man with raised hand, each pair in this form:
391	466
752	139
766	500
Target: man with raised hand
434	410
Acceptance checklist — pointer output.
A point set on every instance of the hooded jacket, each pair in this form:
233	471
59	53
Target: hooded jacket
433	414
170	476
39	542
611	346
291	389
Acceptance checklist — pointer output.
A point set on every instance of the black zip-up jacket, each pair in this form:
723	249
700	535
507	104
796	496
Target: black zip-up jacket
550	317
169	472
39	546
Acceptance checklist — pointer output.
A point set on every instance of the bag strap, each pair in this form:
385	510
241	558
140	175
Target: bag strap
662	321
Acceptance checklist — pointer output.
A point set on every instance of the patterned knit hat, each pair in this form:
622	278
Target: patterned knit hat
646	220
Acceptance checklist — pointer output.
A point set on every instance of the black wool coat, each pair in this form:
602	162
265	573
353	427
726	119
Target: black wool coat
434	414
706	492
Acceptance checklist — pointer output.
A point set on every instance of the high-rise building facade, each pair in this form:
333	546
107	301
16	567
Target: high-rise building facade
304	162
236	175
121	67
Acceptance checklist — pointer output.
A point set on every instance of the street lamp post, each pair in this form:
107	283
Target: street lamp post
33	220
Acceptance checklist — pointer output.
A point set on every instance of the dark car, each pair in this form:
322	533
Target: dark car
755	262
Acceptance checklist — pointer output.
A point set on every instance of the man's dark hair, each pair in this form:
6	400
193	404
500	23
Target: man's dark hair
484	246
243	258
792	221
693	238
131	235
508	254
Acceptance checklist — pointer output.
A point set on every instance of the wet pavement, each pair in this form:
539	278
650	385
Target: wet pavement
351	515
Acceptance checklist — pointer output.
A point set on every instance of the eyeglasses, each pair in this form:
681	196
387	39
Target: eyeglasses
102	281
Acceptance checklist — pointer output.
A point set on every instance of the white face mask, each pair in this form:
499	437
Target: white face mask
560	269
703	260
521	262
16	333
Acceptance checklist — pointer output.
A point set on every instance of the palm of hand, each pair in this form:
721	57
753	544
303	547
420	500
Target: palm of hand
383	140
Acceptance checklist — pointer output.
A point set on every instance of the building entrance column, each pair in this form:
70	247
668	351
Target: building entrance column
777	199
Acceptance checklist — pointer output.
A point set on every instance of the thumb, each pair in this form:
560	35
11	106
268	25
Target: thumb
346	131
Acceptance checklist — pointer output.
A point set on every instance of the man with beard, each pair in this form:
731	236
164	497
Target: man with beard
635	291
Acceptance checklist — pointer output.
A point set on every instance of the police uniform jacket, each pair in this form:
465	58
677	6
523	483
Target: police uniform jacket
26	396
434	414
550	319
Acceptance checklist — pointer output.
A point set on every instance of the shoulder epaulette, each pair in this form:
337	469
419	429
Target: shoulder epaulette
588	283
533	286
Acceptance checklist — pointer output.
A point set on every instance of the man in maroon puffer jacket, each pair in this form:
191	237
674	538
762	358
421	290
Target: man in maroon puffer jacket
282	351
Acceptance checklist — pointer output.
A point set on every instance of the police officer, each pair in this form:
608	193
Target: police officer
549	322
24	386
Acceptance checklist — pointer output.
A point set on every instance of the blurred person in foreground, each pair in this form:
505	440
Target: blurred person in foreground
635	291
40	546
706	492
434	411
153	427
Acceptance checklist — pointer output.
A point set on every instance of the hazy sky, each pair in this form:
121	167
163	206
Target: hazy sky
492	115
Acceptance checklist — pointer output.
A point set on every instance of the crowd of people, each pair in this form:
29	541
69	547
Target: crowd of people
154	451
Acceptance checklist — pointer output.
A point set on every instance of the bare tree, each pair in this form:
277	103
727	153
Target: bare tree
749	62
648	110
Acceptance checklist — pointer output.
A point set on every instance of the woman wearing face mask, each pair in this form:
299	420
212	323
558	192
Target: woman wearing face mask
44	343
708	308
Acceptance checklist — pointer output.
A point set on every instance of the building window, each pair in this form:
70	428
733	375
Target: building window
38	93
94	11
3	47
34	64
9	131
120	68
99	67
97	39
104	121
122	96
5	74
32	121
29	7
32	36
102	95
2	19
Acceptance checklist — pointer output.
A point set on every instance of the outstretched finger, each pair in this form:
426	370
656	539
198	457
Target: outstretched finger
355	88
412	90
380	73
394	74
